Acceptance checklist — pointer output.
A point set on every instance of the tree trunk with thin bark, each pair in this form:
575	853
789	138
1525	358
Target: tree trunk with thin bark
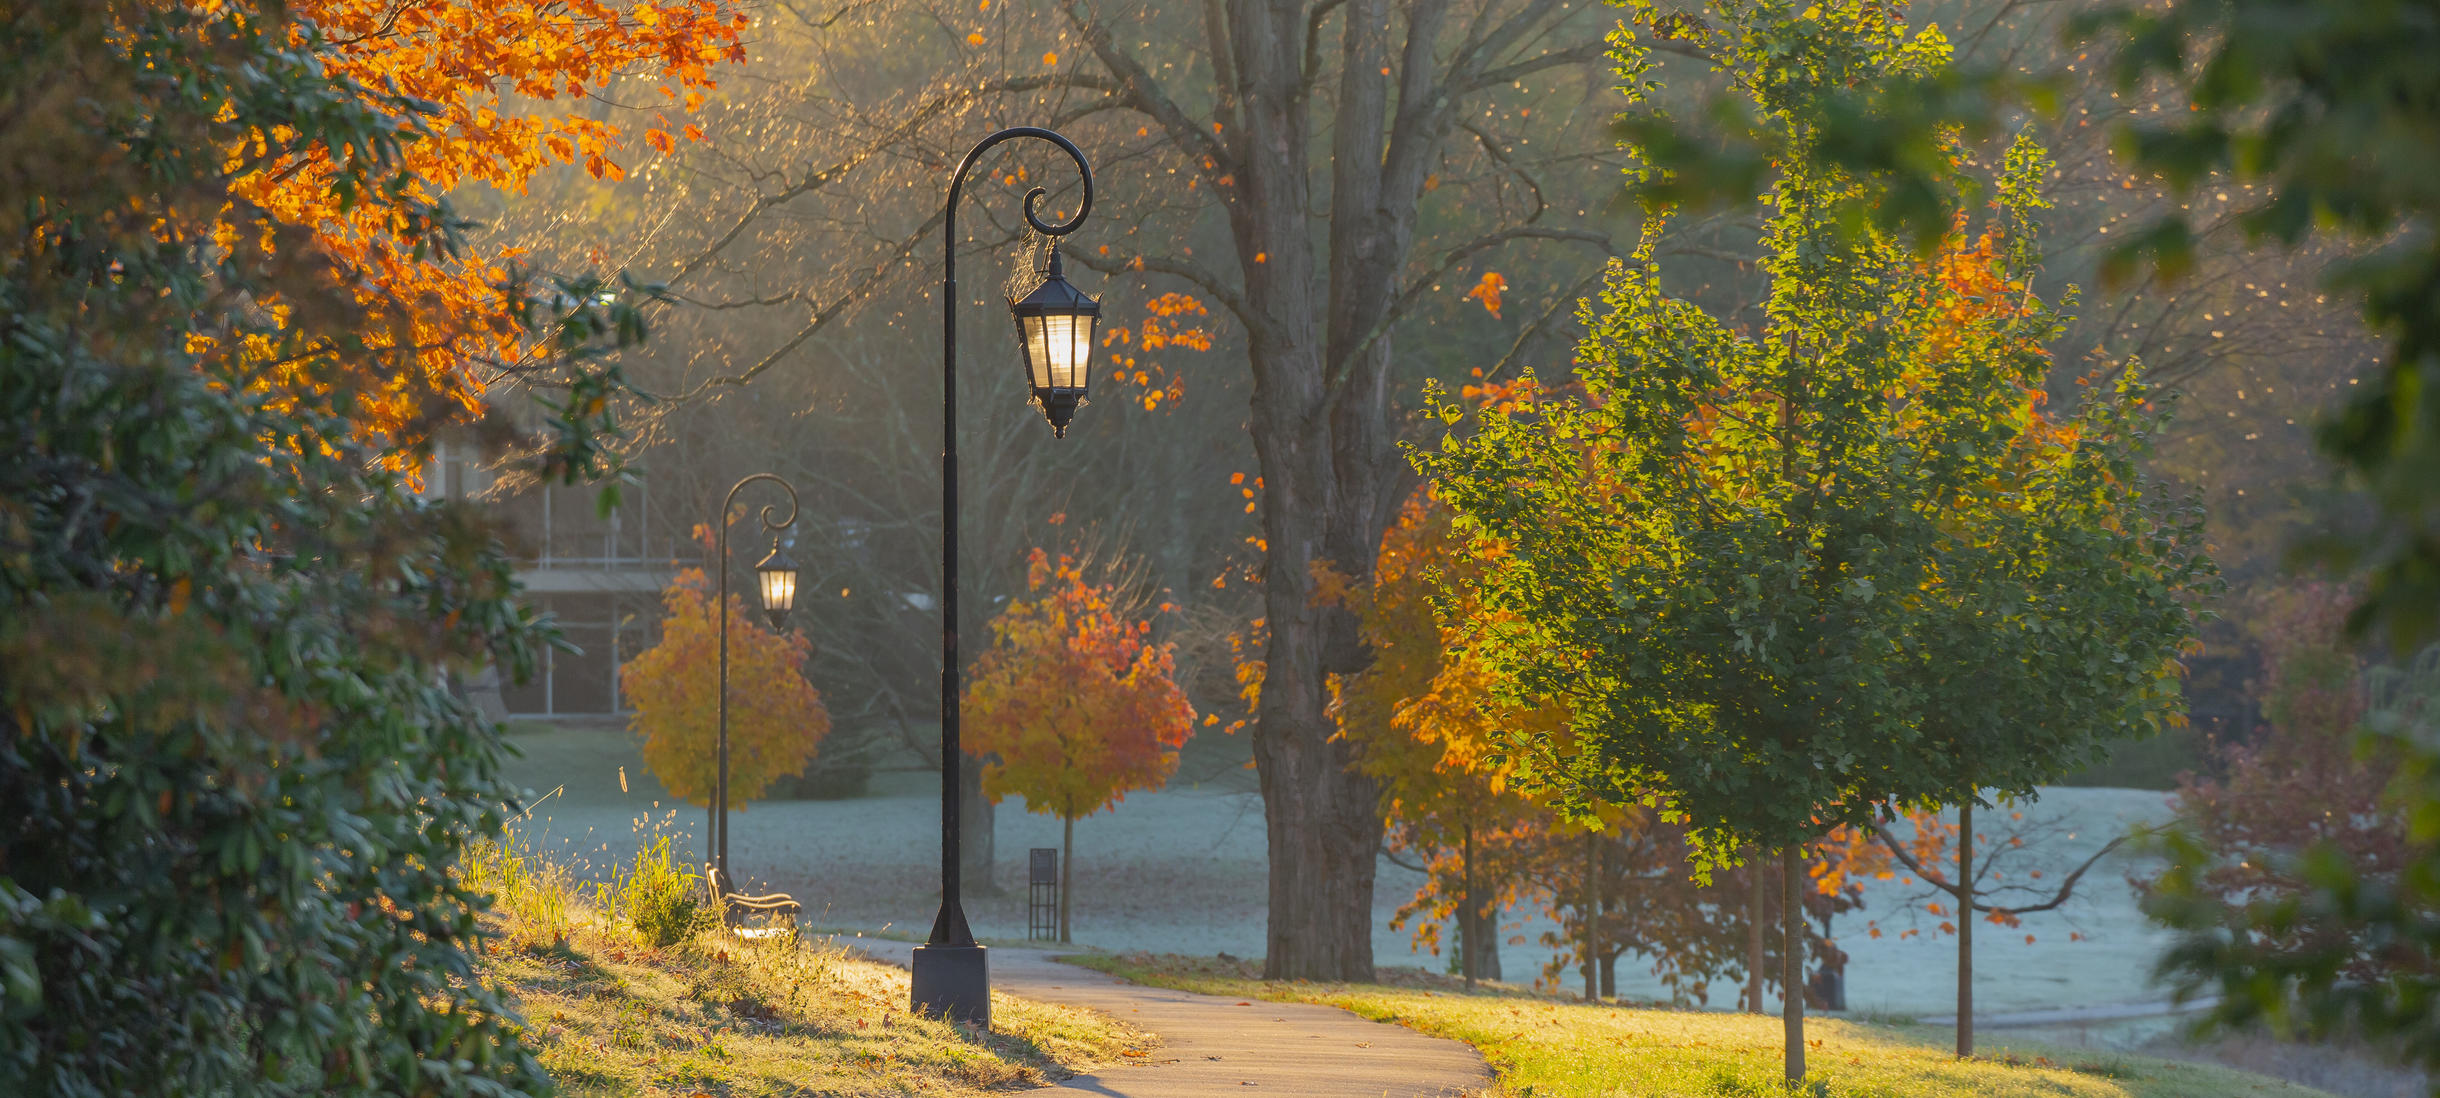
1792	959
1067	872
1591	911
1965	929
1756	911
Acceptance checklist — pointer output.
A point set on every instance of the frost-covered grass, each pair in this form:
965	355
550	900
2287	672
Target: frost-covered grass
1549	1048
1182	871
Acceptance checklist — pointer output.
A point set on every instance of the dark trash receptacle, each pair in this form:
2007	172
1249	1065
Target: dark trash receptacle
1042	894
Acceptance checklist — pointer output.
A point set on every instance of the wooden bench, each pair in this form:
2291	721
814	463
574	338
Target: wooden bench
736	907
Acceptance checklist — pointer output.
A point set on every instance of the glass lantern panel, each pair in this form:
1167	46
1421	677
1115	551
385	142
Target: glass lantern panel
1037	352
778	589
1069	339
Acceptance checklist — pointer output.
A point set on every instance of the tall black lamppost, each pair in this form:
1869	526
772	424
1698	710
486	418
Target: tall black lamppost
776	577
1055	322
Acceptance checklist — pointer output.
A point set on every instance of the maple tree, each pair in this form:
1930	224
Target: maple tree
2302	784
776	718
1074	706
1429	727
485	78
1426	728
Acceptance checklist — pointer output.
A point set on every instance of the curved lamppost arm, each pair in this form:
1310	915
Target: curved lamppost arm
716	843
949	928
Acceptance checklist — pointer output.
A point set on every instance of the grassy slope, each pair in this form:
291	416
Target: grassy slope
1548	1048
740	1018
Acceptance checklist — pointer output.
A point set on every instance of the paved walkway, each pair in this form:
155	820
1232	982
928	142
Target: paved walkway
1215	1046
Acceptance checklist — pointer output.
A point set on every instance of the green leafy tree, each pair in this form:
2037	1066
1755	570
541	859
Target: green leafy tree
1736	556
2064	593
233	777
2330	109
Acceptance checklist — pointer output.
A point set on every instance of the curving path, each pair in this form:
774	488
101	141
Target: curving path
1216	1046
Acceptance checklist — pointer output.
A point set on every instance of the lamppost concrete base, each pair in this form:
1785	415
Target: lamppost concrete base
953	981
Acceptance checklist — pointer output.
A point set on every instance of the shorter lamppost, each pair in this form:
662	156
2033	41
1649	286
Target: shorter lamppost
775	577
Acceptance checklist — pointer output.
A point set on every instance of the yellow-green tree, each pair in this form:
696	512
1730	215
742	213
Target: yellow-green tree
1073	705
776	718
1752	559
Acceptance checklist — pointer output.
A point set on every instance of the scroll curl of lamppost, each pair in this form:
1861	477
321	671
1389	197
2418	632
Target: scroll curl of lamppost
1055	322
776	579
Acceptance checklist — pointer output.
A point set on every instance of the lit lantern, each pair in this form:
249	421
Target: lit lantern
1055	327
777	576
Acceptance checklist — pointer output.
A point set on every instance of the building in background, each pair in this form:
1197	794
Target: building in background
600	575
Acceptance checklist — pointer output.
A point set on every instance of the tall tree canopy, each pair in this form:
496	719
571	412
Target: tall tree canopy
1326	179
487	79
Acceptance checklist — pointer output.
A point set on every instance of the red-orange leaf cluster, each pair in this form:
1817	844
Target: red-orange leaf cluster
1073	702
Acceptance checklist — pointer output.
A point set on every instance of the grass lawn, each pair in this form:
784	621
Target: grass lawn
1546	1048
716	1013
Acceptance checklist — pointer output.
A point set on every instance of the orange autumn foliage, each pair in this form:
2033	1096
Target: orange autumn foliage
776	718
1073	702
1488	291
1164	328
488	72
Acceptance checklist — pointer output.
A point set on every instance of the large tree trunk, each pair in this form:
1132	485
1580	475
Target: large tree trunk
1321	431
1478	924
1965	929
1792	959
1321	291
1479	928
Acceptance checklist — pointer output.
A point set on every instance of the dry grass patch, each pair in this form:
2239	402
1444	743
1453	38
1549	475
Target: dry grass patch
1547	1048
714	1013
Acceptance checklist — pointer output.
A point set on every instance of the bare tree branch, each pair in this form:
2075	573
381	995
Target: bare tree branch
1965	896
1203	279
1211	158
905	129
1418	287
1576	55
1312	69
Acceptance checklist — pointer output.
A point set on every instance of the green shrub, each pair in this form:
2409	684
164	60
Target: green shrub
665	904
233	779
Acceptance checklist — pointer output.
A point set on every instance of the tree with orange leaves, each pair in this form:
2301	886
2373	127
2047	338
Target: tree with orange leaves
1427	729
1074	706
485	81
774	728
